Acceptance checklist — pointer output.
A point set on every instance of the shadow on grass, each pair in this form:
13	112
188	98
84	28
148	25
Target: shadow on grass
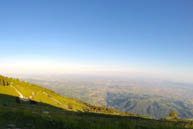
36	115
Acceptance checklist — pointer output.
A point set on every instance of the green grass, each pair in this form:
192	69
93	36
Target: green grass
52	112
8	91
43	116
40	94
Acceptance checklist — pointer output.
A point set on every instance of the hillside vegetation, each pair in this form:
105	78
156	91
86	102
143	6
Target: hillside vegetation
28	106
150	97
27	91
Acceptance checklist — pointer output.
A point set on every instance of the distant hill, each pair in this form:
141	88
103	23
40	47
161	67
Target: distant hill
156	106
149	97
27	91
27	106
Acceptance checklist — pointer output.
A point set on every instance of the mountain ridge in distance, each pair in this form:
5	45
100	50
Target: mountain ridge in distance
156	98
27	91
24	105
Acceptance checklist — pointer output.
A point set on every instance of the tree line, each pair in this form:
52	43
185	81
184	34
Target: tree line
4	81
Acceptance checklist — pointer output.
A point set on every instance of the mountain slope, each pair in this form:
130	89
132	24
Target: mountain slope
156	106
27	91
39	108
43	116
150	97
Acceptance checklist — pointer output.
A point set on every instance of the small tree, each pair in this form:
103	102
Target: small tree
173	114
3	82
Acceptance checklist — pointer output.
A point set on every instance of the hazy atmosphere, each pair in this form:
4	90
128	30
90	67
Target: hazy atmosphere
147	38
96	64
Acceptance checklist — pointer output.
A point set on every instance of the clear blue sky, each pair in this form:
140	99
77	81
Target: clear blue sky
140	34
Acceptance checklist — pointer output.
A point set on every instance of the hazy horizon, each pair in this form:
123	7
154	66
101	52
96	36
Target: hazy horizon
126	38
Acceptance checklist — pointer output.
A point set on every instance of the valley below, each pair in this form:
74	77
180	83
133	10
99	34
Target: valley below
25	105
153	98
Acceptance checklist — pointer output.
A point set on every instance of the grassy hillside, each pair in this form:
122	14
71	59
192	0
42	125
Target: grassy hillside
152	98
36	93
43	116
39	108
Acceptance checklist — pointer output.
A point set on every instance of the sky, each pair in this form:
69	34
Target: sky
116	37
